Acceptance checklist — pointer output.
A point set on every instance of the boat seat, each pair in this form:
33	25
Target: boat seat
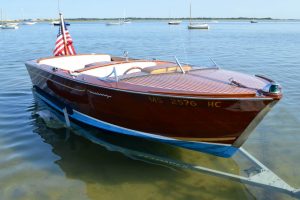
73	63
120	67
165	68
96	65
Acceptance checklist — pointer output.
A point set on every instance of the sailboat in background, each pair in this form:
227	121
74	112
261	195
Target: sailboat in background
1	18
120	22
8	25
196	25
126	21
27	21
174	21
253	21
113	23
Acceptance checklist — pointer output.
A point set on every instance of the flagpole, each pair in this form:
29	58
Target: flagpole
62	25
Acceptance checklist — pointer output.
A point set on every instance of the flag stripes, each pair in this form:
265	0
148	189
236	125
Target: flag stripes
63	47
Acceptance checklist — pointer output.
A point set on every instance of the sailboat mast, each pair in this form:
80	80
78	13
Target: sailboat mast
124	13
190	12
1	17
22	12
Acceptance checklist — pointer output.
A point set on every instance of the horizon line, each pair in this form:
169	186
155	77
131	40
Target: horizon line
157	18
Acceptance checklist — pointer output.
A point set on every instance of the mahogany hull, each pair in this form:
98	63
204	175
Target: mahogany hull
217	126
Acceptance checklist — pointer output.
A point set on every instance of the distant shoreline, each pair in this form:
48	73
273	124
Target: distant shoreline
160	19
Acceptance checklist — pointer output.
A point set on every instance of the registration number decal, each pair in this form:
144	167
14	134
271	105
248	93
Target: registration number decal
185	102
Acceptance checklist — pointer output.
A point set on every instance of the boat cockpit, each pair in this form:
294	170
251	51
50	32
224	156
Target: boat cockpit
104	66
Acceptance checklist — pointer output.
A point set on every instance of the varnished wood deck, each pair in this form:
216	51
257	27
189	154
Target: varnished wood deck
205	81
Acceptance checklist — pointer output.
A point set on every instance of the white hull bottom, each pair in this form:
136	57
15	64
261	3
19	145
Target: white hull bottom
174	22
113	23
198	26
28	23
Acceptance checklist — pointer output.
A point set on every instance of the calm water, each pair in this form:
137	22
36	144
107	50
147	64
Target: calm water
39	159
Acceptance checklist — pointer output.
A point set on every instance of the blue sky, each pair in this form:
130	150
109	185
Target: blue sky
15	9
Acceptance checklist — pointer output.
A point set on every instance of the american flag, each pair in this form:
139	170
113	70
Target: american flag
63	47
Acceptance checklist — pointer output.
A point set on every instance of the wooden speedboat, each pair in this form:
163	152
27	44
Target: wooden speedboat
209	110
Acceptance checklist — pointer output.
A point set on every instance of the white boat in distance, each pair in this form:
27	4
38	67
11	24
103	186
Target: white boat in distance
113	23
174	22
120	22
12	23
127	21
54	22
7	25
28	23
10	26
196	25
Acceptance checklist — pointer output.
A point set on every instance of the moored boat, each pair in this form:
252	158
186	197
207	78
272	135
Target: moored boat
9	26
114	23
127	21
204	109
196	25
29	23
174	22
12	23
209	110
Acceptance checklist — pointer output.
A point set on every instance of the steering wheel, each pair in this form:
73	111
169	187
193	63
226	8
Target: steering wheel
132	68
